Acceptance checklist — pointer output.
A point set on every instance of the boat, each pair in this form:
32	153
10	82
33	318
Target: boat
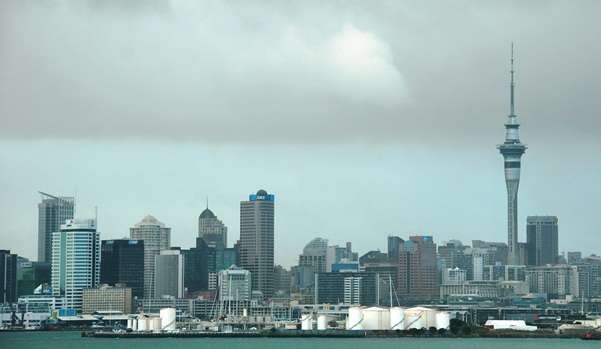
591	336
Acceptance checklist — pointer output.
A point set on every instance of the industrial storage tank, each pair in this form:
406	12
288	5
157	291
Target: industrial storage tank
134	324
154	323
130	322
397	318
150	324
354	321
306	322
420	317
142	323
322	321
376	318
167	319
443	320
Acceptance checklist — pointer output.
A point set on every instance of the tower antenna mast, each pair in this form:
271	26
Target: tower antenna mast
512	102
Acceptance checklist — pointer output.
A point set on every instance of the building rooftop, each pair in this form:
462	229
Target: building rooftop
149	220
207	213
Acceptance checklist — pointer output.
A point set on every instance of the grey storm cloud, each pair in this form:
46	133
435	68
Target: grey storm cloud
302	71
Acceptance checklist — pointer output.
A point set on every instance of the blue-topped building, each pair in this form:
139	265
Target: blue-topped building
257	240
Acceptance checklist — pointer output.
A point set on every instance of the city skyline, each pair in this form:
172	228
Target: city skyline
395	135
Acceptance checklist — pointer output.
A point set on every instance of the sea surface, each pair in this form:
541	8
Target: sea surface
73	340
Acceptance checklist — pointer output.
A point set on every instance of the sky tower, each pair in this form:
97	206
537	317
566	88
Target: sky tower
512	150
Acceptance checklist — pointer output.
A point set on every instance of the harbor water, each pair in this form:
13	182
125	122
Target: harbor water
57	339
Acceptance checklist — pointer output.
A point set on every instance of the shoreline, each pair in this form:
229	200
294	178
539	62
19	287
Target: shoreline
330	334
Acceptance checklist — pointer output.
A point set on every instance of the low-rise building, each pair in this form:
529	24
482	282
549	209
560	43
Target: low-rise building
482	289
107	298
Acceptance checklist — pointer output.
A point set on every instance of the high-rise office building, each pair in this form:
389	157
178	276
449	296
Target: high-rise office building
480	258
52	212
574	257
75	260
30	275
122	262
156	237
340	254
556	281
393	244
8	277
313	260
453	254
542	240
169	273
234	284
500	272
453	276
257	239
498	248
283	280
196	266
589	277
227	257
373	257
211	229
359	288
512	150
417	278
314	255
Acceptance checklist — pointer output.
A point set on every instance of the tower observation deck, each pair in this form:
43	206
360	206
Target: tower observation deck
512	150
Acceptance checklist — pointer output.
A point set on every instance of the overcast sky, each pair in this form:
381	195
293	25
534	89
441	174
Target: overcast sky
363	118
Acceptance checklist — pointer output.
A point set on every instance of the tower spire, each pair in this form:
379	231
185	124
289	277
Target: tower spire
512	102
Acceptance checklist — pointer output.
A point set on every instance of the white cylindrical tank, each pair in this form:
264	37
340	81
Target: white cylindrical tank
156	324
307	322
142	323
167	319
420	317
322	321
354	321
443	320
376	318
397	318
150	324
134	324
130	322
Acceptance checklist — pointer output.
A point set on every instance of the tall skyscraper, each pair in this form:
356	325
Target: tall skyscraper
417	278
196	266
169	273
542	240
512	150
122	262
393	244
156	237
52	212
212	230
8	277
256	240
75	260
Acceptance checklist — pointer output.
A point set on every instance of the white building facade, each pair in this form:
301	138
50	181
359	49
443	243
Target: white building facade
156	237
234	284
75	260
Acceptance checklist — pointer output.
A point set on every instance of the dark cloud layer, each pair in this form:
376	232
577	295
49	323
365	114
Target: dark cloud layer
306	71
